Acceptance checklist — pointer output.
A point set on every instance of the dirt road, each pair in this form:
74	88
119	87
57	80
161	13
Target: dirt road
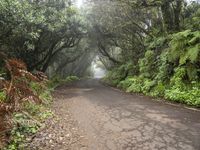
114	120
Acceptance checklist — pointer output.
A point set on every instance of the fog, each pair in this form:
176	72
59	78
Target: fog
98	72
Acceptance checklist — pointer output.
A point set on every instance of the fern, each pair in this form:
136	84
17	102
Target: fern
185	47
193	53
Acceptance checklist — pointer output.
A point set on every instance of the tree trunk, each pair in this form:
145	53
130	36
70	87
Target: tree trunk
177	12
167	15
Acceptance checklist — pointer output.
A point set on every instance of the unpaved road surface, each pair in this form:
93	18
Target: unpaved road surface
114	120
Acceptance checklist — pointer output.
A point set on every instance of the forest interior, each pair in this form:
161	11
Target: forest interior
49	48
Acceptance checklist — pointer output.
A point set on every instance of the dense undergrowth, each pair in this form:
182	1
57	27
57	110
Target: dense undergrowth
55	81
25	101
170	68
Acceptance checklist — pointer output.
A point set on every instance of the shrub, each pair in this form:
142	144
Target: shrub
178	78
157	43
118	74
164	69
71	78
147	85
185	49
126	83
188	96
38	88
46	97
158	90
180	91
114	77
23	126
136	85
31	108
168	69
146	65
55	81
25	93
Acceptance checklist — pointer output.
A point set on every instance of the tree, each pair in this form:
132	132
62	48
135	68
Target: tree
36	31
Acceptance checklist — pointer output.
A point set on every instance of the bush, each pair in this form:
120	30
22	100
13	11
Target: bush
38	88
71	78
26	123
136	85
55	81
146	65
164	68
46	97
23	127
126	83
178	79
118	74
158	90
180	91
113	77
169	69
42	91
31	108
147	86
188	96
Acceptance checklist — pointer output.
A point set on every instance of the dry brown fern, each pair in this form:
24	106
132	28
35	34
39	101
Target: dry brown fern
17	89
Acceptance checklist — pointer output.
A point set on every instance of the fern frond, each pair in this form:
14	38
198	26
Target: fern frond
193	53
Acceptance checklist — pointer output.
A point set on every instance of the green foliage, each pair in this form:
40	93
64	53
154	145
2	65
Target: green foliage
157	43
178	78
195	20
41	90
193	16
147	85
185	47
46	97
136	85
170	74
164	72
55	81
187	94
112	78
180	91
184	51
27	123
158	90
36	31
39	112
176	91
32	108
118	74
45	115
124	84
146	64
28	119
2	96
71	78
23	127
38	88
